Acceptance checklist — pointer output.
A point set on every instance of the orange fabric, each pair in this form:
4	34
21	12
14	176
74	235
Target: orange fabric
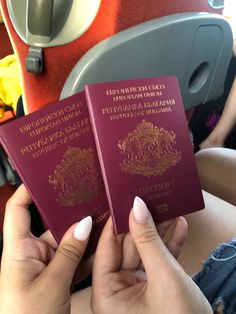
8	115
113	16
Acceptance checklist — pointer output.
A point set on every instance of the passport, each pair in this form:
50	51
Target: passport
144	148
93	152
54	153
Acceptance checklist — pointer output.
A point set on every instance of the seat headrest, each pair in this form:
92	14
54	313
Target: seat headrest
52	22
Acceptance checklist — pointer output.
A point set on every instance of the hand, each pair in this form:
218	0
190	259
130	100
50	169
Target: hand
36	276
172	232
164	287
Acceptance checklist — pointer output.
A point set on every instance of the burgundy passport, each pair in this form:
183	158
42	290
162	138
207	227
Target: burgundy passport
144	147
53	150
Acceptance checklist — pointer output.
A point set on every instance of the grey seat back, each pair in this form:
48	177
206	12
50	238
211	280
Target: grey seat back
195	47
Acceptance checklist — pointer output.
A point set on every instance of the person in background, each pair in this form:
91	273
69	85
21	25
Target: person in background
227	120
225	124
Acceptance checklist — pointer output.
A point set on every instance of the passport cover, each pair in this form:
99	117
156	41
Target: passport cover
53	151
144	148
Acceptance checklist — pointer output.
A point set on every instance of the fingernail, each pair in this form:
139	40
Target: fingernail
82	229
140	276
140	211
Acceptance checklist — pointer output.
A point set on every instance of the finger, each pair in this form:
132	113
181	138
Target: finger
84	269
49	239
178	237
153	253
130	255
17	218
108	254
69	254
163	227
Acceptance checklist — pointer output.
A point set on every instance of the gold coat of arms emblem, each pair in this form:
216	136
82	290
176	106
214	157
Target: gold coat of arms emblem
149	150
77	178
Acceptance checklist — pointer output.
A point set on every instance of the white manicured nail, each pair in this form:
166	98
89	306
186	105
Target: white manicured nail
140	211
83	229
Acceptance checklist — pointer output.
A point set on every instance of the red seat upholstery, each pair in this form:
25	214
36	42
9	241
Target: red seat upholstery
5	44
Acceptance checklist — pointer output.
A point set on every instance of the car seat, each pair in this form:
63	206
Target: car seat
199	57
112	17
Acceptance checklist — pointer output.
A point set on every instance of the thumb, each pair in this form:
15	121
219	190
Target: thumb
69	253
152	250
